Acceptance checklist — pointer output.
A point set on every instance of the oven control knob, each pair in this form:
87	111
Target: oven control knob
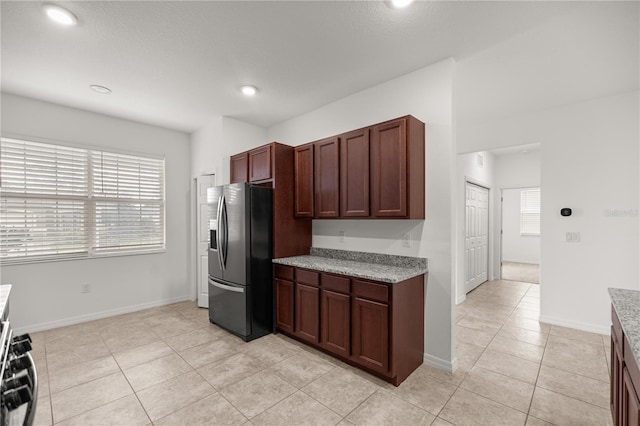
17	382
20	347
18	364
16	397
22	337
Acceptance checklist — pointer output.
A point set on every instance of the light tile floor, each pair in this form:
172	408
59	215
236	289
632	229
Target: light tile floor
169	366
525	272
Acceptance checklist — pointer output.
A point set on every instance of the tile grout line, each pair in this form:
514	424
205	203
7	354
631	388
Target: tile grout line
474	364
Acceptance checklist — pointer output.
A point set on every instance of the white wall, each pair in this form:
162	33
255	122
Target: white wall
572	86
211	147
516	170
516	247
470	168
589	162
427	95
47	295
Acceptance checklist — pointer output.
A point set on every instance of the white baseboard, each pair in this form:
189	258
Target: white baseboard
461	299
592	328
96	315
440	363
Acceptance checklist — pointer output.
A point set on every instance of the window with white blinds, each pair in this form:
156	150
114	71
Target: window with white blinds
62	202
530	211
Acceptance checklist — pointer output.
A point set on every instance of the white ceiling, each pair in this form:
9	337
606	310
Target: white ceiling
177	64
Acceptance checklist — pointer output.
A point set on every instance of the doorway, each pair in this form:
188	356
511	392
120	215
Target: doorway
203	183
476	235
520	236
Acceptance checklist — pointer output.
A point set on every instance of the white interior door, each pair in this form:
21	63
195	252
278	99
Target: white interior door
202	184
476	236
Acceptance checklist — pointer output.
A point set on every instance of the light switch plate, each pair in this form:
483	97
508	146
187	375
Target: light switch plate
573	237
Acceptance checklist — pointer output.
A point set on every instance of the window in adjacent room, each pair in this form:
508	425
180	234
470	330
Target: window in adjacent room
530	211
61	202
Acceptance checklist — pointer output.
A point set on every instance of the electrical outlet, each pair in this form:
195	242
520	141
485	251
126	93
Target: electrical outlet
406	240
573	237
341	236
85	288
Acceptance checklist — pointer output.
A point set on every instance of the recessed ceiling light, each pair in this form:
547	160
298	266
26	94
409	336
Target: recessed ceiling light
100	89
59	14
399	4
248	90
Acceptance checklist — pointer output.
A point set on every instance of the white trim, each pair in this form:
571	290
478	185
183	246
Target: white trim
461	298
440	363
592	328
97	315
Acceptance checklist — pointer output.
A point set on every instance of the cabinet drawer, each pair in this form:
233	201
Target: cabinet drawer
284	272
368	290
617	328
332	282
306	277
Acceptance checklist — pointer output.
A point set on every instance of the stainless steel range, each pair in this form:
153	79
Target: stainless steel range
18	376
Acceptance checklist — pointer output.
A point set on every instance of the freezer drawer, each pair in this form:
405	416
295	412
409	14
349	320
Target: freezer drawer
228	307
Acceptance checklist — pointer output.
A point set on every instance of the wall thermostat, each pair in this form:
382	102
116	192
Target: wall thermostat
565	211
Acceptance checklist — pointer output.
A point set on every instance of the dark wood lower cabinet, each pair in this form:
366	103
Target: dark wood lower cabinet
630	403
336	322
307	307
376	326
284	304
625	378
371	334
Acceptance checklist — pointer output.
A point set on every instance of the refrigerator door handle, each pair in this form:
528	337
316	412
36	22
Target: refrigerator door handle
226	287
225	235
219	233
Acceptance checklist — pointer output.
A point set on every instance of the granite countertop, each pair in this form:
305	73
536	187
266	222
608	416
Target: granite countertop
373	266
627	306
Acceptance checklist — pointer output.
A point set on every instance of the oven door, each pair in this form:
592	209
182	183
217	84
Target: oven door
19	392
229	307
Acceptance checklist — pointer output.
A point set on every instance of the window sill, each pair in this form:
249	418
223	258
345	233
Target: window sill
86	256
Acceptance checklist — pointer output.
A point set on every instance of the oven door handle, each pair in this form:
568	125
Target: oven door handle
31	409
226	287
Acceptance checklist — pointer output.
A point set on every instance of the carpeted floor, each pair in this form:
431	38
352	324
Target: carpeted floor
524	272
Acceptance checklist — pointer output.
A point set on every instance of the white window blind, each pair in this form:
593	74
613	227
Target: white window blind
128	197
530	211
61	202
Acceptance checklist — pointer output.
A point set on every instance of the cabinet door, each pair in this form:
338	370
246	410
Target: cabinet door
389	169
307	313
239	167
303	165
326	167
354	174
336	320
284	305
630	402
260	163
370	338
616	380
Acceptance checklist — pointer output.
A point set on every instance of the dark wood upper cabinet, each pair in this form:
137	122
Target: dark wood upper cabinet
272	165
260	163
239	168
326	178
397	169
354	174
303	166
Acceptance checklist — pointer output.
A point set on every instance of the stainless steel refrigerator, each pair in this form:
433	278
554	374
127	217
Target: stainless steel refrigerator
240	277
